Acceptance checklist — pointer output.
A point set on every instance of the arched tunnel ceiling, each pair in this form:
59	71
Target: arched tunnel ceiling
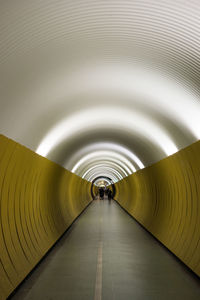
100	87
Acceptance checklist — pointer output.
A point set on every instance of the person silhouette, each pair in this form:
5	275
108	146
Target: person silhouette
101	193
109	194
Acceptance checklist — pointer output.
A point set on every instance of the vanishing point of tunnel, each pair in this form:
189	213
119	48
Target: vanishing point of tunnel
99	150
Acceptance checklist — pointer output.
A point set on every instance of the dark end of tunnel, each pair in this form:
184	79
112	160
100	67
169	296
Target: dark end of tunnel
108	179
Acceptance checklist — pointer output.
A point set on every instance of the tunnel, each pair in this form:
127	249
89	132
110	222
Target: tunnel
106	94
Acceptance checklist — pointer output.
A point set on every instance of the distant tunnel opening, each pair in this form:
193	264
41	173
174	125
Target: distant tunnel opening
102	182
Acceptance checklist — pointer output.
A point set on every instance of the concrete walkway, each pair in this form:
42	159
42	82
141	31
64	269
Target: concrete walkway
106	255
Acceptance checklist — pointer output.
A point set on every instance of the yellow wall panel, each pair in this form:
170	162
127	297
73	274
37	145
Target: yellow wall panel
38	201
165	199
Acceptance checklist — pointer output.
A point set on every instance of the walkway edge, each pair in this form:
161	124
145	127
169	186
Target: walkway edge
46	254
161	244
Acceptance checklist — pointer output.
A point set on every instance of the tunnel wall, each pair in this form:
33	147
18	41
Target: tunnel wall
165	199
38	201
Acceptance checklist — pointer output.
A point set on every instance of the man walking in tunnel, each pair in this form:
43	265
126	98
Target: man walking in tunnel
109	194
101	193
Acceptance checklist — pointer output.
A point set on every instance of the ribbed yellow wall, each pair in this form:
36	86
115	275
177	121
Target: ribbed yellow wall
38	201
165	198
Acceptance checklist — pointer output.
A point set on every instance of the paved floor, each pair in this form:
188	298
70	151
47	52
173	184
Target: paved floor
106	255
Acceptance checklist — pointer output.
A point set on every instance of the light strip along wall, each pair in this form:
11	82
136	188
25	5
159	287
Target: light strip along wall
165	199
38	201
